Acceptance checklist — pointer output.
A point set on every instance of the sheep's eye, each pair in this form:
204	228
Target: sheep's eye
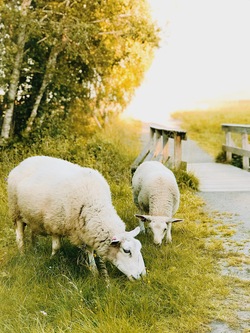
126	251
165	230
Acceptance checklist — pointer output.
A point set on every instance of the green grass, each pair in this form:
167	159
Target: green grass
204	127
181	293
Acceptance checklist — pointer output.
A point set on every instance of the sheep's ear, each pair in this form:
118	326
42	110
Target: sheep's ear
175	220
115	241
134	232
143	218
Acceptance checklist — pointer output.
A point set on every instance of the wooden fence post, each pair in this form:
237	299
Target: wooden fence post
229	143
245	145
157	148
177	150
165	151
231	148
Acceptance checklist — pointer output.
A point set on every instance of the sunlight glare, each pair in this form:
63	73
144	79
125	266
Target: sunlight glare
204	56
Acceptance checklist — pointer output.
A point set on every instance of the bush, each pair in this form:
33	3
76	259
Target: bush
186	180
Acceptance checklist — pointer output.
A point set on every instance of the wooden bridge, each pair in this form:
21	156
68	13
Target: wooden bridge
160	148
231	147
171	146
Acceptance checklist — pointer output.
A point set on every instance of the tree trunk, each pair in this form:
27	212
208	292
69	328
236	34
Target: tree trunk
97	121
14	79
46	80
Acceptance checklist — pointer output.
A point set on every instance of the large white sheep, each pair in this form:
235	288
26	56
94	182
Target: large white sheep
58	198
155	192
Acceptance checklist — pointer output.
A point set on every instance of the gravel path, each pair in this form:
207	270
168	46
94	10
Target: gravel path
233	208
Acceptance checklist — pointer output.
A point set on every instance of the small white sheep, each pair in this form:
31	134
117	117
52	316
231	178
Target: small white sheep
58	198
155	192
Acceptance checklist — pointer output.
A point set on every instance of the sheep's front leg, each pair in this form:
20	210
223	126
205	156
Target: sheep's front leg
141	223
91	262
20	235
86	258
103	270
169	237
56	244
142	226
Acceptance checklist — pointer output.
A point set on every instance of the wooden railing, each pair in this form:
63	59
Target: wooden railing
158	147
230	146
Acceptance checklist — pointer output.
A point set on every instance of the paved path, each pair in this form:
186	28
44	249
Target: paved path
217	177
226	189
214	177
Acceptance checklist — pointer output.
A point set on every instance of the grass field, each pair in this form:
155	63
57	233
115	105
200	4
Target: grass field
181	293
204	126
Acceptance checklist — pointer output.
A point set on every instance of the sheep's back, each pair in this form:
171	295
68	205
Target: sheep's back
155	188
49	193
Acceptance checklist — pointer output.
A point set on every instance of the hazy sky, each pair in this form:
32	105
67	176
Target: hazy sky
204	55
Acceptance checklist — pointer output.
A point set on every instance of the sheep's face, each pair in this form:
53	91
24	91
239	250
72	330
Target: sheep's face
125	254
160	226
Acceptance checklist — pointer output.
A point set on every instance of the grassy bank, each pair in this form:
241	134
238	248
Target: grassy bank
181	292
204	126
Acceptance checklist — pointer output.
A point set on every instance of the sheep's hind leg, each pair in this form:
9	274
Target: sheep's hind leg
56	244
20	226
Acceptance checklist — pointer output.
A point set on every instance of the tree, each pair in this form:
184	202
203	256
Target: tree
15	75
94	51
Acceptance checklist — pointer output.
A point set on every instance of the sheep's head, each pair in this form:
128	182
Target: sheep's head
159	226
125	254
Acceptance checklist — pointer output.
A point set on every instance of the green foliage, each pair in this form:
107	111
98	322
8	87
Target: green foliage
236	159
186	180
180	292
96	52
